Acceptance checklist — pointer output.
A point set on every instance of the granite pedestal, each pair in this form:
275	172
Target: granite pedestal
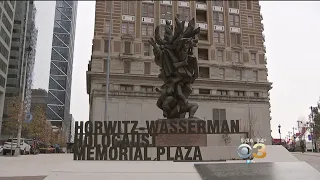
180	139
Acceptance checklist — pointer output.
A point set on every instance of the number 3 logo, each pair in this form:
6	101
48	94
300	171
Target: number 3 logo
261	151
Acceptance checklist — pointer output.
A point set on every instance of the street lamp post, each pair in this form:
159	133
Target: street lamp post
279	129
108	65
312	124
21	112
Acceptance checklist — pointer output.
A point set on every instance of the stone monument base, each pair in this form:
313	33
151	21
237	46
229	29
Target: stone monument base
182	139
263	171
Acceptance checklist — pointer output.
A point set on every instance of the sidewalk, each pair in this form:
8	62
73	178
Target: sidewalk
307	153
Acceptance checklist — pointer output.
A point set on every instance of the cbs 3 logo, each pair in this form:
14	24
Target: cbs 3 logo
245	151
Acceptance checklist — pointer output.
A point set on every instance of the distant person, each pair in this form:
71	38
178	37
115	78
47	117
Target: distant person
302	146
57	148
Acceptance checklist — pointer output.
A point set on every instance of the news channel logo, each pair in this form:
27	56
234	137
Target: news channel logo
257	151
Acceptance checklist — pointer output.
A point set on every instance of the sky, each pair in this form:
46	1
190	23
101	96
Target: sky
292	31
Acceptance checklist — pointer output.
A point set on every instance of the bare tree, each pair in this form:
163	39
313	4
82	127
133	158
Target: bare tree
251	127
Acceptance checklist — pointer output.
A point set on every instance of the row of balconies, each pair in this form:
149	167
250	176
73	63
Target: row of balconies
201	5
202	25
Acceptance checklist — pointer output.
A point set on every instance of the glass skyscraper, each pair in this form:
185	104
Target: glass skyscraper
59	91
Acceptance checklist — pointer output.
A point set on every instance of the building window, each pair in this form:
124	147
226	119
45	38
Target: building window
203	54
201	16
12	75
254	58
126	67
147	68
6	23
234	20
166	12
219	114
218	37
239	93
250	21
127	47
238	74
222	73
16	22
147	10
222	92
2	81
8	9
218	18
11	85
204	72
15	39
256	94
162	30
255	76
147	29
146	88
126	87
6	37
106	46
14	48
127	28
234	4
236	56
184	14
249	5
252	40
220	55
146	49
7	95
13	66
128	8
218	3
107	27
4	51
235	39
109	5
3	66
204	91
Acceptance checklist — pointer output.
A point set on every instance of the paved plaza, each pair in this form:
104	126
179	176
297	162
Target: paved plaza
311	158
61	166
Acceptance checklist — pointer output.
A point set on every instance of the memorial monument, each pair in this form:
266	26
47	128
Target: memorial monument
179	69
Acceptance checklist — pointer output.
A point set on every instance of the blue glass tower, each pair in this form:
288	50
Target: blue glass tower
59	91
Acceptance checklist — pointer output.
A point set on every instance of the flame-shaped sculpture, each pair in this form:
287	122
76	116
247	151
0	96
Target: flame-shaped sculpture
179	68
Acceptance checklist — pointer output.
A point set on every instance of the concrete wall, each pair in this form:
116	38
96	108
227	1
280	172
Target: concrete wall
121	109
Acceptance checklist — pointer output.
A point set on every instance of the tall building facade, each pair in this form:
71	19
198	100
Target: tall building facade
60	78
22	55
7	11
233	82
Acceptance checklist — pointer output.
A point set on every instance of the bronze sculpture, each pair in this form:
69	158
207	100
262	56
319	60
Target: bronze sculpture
179	68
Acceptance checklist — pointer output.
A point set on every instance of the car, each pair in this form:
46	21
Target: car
11	144
1	149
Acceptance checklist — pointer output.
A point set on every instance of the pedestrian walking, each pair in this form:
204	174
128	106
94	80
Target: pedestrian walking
302	146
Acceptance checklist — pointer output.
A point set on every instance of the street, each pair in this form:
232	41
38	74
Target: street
311	158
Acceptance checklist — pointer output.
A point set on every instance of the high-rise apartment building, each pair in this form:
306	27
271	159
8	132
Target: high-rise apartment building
233	82
59	91
22	53
7	11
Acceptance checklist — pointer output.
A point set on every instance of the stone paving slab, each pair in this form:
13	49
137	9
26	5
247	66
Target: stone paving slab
23	178
261	171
